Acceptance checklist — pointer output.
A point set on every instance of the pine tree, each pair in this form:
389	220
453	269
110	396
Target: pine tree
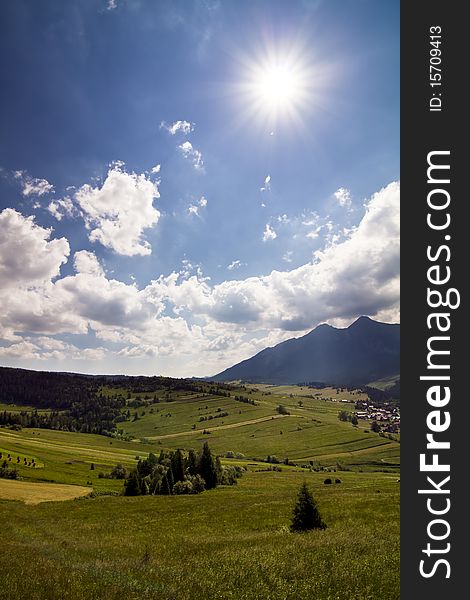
305	515
165	486
170	478
132	485
207	467
177	466
191	463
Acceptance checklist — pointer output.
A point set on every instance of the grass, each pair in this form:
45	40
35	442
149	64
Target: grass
34	493
227	543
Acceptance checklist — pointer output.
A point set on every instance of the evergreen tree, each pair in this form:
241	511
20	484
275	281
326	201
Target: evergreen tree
165	486
177	466
132	485
170	478
305	515
207	467
191	463
152	459
144	487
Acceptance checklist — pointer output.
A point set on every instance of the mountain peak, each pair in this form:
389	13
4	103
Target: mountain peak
365	351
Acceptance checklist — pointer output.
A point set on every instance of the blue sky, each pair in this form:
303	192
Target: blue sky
183	183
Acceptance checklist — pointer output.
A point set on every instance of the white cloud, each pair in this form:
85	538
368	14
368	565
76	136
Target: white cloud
118	213
193	209
155	169
267	184
178	126
112	4
269	233
86	262
32	186
235	264
186	148
287	257
183	314
343	196
358	276
61	208
314	233
27	255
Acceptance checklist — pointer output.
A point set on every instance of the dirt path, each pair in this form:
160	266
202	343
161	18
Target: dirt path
34	493
229	426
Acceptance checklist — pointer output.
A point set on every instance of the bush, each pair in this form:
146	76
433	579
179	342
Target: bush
327	481
119	472
183	487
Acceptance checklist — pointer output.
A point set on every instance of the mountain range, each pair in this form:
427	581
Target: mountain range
365	351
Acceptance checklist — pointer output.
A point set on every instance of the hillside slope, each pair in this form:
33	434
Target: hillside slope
364	351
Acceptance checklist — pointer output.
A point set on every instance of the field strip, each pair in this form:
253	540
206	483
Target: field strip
34	493
229	426
71	449
351	453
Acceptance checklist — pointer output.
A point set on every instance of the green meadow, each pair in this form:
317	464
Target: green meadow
230	542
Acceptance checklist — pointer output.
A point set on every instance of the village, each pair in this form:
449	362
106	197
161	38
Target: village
387	415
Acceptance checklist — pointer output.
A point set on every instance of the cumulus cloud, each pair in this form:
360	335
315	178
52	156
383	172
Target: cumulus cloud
61	208
27	254
86	262
32	186
235	264
195	156
112	4
212	325
193	209
269	233
118	212
178	126
343	196
267	184
314	233
359	275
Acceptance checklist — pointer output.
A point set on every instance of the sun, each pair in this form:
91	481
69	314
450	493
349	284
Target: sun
278	87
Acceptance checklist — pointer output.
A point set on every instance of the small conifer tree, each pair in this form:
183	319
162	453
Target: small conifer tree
305	515
207	467
177	466
165	486
132	485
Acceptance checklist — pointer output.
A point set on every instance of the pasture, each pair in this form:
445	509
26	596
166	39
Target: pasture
230	542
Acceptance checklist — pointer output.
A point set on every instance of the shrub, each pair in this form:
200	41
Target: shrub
183	487
118	472
327	481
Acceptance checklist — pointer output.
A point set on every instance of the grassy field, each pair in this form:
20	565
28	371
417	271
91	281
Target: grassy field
312	431
34	493
227	543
